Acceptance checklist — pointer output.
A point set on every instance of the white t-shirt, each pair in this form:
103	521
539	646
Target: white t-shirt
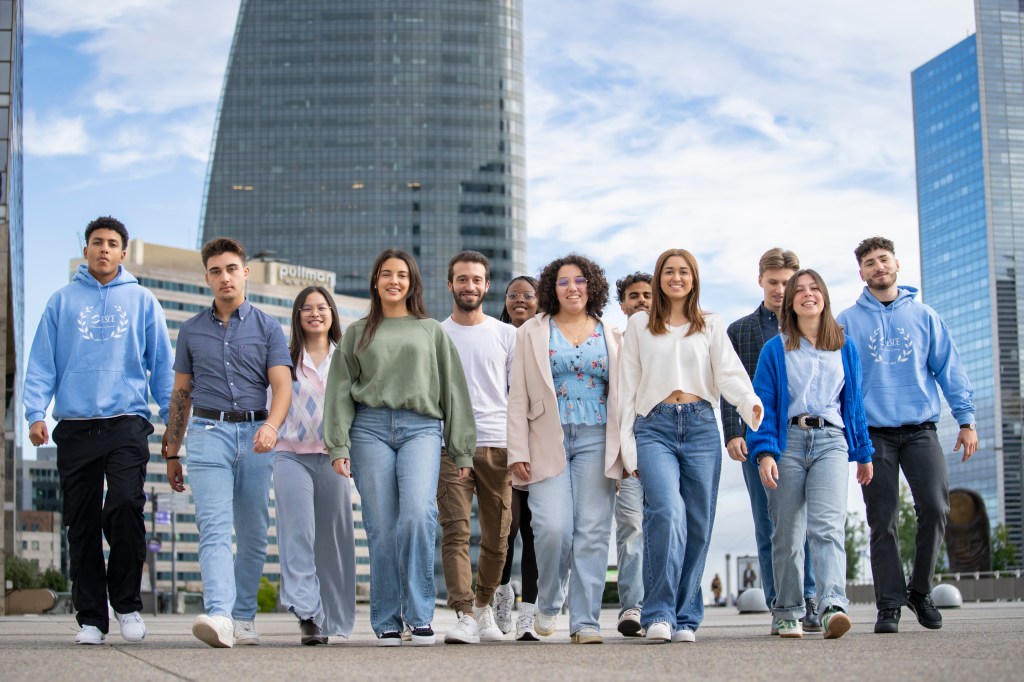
486	352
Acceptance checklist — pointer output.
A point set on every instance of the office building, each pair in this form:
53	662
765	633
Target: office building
969	134
349	127
12	279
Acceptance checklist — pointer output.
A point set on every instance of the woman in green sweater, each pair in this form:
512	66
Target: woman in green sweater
395	387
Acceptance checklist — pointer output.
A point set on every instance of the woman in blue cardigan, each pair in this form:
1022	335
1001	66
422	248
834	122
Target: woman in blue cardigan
809	379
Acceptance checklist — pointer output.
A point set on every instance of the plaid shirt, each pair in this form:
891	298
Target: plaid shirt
748	335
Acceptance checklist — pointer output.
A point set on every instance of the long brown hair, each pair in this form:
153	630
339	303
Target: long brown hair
413	300
661	309
298	337
830	334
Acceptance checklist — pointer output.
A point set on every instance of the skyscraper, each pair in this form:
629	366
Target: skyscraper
969	134
347	127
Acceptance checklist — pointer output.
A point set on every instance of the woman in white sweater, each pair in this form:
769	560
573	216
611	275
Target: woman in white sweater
676	362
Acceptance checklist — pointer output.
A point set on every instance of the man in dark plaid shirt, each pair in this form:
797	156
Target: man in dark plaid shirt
748	335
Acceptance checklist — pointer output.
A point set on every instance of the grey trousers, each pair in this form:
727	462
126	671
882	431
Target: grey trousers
917	452
316	539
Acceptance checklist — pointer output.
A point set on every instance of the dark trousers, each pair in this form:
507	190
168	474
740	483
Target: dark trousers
917	452
521	519
88	451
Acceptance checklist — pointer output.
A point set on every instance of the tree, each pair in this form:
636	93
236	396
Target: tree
266	598
856	541
55	580
22	573
1004	552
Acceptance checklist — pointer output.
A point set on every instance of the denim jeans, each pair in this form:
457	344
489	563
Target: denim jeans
231	488
629	543
810	503
679	457
396	460
572	524
918	453
763	535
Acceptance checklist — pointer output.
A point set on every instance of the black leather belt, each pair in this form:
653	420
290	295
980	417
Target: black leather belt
905	429
809	421
250	416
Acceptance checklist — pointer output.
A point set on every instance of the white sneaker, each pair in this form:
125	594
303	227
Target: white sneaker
466	631
484	618
216	631
132	627
544	624
684	636
89	634
245	633
659	632
504	600
629	623
524	624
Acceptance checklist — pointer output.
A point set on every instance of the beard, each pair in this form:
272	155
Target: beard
882	284
467	307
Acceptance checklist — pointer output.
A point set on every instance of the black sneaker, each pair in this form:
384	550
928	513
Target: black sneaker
389	639
888	621
311	633
810	621
423	636
923	607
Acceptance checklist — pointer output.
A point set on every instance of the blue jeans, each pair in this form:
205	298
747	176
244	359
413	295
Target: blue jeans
231	488
810	504
763	528
572	523
629	543
396	460
679	457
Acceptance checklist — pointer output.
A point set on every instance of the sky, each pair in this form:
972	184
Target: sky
723	128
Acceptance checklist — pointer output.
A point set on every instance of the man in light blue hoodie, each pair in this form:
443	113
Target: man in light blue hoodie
907	354
101	340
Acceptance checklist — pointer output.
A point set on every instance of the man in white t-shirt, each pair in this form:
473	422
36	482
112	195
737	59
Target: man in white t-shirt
485	347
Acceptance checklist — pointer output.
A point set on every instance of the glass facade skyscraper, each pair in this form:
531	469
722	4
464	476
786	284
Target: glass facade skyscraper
969	134
347	127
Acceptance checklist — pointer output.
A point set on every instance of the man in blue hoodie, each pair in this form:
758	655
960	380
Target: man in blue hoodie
101	339
907	354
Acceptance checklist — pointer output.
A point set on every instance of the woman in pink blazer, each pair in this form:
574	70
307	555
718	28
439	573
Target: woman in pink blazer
563	440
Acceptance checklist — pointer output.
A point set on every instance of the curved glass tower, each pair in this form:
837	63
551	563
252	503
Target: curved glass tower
351	126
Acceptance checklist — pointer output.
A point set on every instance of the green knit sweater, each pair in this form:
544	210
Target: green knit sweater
411	364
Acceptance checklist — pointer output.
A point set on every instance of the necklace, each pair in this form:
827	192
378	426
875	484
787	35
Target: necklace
577	337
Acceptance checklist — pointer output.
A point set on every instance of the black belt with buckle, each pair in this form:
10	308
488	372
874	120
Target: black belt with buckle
248	416
809	421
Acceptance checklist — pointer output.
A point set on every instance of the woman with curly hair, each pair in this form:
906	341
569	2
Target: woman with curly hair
563	440
676	363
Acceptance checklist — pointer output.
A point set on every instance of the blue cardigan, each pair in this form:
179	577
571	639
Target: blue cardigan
772	387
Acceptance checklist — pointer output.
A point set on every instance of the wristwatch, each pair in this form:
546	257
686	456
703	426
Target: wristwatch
969	425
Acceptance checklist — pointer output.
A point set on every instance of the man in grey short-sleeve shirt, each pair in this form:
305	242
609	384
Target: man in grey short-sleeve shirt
226	358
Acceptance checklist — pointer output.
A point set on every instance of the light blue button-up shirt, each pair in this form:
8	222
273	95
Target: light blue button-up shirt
815	380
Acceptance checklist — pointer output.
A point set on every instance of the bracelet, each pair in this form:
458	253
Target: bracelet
167	459
273	427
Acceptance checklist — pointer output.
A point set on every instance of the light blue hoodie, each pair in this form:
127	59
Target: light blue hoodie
905	350
93	349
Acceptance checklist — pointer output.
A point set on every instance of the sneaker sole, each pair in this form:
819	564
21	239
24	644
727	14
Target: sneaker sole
493	637
314	640
791	635
207	634
527	637
423	641
457	640
685	639
89	642
838	625
887	629
247	641
587	639
390	641
925	623
542	632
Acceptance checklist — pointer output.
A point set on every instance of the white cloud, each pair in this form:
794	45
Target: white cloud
54	135
60	17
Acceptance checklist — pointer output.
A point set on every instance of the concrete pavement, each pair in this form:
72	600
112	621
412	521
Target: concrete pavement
978	641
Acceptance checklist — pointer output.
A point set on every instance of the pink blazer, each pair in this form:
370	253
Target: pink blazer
534	428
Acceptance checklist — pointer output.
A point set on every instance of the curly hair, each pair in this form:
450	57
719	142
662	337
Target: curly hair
629	280
597	285
108	223
872	243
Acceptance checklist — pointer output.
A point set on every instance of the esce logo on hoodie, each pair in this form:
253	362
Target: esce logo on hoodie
96	327
890	351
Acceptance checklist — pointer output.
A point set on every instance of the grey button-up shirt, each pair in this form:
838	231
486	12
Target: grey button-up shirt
229	362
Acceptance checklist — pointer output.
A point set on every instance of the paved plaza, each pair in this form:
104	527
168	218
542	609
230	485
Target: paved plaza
978	642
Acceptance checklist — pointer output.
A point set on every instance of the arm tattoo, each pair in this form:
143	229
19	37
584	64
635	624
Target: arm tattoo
177	416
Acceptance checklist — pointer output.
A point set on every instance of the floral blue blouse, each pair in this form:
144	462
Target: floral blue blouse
580	376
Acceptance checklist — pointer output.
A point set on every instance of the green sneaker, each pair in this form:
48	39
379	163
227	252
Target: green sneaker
835	622
790	629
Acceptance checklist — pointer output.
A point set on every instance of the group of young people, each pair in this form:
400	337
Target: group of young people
555	420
